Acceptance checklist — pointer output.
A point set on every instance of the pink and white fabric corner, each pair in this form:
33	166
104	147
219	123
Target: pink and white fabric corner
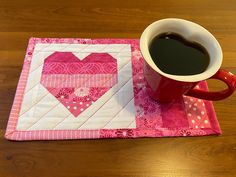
86	89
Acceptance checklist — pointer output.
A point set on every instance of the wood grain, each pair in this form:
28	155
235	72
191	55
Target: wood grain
164	157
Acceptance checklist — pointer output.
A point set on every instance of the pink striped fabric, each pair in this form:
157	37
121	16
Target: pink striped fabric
53	135
11	132
78	80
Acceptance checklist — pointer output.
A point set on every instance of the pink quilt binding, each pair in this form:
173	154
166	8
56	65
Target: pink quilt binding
199	122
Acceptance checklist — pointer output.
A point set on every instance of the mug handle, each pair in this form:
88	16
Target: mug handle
222	75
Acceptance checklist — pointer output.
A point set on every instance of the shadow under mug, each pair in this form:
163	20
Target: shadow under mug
165	87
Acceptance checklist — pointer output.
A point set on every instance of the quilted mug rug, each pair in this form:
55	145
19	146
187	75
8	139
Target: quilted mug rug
72	88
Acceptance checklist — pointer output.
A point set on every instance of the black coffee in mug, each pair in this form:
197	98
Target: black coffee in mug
174	55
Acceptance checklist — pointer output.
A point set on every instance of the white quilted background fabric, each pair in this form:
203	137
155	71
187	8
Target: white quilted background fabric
115	109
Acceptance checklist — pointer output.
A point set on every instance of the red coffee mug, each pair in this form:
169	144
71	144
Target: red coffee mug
166	87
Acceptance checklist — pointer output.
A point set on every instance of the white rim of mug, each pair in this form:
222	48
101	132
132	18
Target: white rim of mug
192	32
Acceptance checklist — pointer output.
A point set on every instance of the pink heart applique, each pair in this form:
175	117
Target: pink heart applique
78	83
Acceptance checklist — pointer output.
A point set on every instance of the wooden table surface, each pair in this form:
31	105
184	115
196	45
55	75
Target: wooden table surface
164	157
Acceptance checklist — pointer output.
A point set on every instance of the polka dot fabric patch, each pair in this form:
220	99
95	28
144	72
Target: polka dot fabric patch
196	113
